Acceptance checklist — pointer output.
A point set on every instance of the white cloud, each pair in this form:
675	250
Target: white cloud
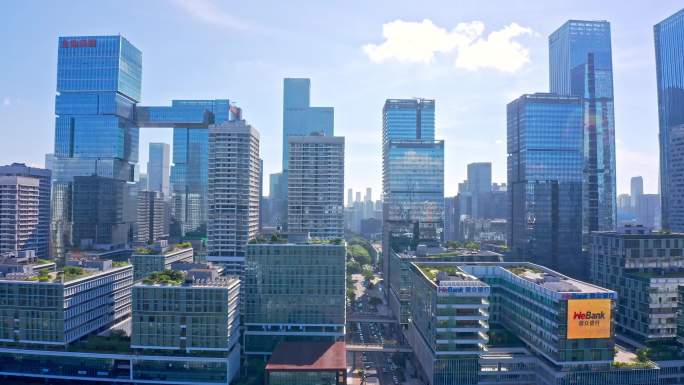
207	11
417	42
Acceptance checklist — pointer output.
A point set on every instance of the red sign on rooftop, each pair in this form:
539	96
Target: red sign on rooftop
78	43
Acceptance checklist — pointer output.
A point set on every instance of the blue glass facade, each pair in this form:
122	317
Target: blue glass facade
299	118
98	84
412	173
669	50
545	164
189	180
580	64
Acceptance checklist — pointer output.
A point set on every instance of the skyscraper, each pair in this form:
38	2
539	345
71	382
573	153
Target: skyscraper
158	169
233	192
412	173
190	152
580	64
480	187
40	238
49	161
636	189
150	217
545	180
98	85
315	186
669	37
350	197
299	118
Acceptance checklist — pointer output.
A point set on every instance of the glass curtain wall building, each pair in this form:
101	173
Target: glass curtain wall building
98	84
669	38
580	64
412	173
545	180
158	168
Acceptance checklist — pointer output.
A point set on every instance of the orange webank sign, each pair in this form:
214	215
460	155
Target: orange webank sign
588	318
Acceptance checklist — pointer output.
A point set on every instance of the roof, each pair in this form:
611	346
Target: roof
308	356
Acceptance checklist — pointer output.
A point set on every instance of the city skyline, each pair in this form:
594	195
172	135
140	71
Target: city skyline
372	57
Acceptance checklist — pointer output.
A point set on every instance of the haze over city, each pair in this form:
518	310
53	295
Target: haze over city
471	57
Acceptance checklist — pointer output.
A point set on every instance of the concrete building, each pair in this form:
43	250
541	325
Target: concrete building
151	217
159	169
40	237
648	211
19	219
636	185
233	192
644	268
293	292
315	186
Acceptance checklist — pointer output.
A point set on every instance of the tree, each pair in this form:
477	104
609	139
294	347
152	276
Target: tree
472	246
454	245
643	354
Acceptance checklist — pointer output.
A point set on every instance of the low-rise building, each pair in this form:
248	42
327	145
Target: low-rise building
308	363
399	271
43	307
149	260
563	323
293	291
645	268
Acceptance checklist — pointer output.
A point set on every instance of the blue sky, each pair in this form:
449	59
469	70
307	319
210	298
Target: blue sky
473	57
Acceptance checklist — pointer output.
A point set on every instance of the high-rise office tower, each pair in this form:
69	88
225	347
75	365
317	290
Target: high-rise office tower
412	173
369	195
299	118
580	64
98	85
669	37
350	197
233	192
190	160
545	180
636	189
480	187
358	197
142	182
158	168
315	186
40	238
19	221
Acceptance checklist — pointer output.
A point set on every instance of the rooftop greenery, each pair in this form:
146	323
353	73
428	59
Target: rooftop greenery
120	263
518	270
74	272
166	277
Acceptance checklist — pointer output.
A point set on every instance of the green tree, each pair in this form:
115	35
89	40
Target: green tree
643	354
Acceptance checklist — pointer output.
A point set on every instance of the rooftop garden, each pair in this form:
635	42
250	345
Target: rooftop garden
120	263
166	277
74	272
519	270
41	261
465	245
432	271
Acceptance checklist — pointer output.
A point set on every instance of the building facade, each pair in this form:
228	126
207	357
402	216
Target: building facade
315	186
480	187
234	170
41	235
19	215
293	292
581	64
645	269
159	168
668	36
66	305
151	225
299	117
545	180
412	172
98	85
